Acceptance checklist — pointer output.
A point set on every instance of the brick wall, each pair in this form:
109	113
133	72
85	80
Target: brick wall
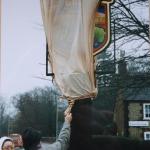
134	110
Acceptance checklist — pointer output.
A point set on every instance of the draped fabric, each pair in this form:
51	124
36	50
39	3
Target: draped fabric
69	27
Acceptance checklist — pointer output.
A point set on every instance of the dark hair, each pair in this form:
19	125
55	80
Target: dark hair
31	138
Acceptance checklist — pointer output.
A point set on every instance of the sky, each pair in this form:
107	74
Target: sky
22	47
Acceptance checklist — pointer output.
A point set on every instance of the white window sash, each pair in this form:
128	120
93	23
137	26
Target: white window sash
145	134
144	111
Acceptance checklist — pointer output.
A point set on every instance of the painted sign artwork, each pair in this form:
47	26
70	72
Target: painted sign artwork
102	27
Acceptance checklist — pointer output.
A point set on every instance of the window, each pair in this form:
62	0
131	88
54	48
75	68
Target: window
146	111
146	135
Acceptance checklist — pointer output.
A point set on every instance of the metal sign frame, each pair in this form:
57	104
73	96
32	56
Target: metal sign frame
47	63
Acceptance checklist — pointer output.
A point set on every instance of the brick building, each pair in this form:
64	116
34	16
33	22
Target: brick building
132	113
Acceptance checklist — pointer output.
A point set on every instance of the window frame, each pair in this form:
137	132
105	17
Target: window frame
144	112
145	133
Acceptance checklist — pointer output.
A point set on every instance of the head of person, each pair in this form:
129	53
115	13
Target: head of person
6	143
17	139
31	139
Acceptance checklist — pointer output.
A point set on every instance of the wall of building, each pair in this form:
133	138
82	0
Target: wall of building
135	113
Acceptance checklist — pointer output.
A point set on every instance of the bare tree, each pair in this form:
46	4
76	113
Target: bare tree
2	116
131	27
36	108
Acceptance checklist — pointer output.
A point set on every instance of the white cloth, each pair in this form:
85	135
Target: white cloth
69	31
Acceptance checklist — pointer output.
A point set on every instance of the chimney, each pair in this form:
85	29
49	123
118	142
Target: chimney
122	65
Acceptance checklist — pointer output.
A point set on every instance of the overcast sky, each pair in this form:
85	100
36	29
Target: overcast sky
23	47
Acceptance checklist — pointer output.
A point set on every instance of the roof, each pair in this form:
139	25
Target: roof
137	94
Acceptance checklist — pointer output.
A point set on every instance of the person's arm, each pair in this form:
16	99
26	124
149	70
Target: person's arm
62	142
64	136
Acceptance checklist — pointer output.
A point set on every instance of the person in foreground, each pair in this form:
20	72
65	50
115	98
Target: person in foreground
31	137
6	143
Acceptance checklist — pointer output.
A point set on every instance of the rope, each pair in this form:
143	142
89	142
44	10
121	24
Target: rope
70	105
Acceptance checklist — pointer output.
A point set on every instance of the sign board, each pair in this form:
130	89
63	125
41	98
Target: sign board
138	123
102	26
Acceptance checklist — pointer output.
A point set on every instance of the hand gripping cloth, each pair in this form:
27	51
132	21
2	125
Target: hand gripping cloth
69	31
